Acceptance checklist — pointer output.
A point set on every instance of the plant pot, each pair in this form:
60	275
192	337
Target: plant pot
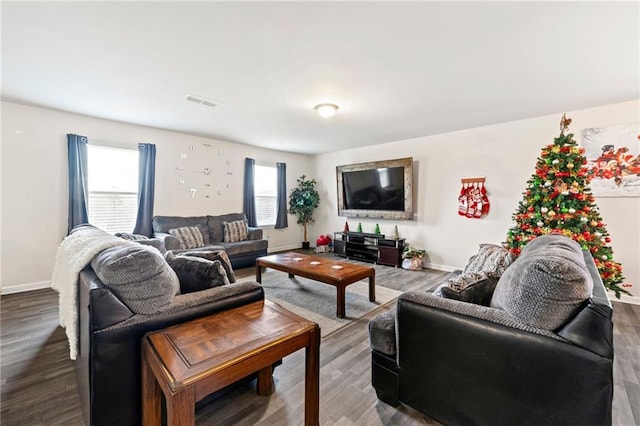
305	245
412	263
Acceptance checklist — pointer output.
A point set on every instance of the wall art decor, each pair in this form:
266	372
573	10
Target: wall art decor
613	159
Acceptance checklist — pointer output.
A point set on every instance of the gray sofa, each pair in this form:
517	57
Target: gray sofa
125	291
242	253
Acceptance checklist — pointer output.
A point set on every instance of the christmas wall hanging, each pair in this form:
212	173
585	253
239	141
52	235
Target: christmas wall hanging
473	201
613	159
558	200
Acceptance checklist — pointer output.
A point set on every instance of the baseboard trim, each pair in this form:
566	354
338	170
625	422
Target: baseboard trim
20	288
284	248
634	300
445	268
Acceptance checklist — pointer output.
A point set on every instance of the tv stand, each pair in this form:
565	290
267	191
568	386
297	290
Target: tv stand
367	247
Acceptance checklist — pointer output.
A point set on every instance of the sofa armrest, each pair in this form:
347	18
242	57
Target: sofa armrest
116	350
591	329
205	301
171	242
254	233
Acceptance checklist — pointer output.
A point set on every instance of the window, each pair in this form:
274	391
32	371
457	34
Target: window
113	188
265	184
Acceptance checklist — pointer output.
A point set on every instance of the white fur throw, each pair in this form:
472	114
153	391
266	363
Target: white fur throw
74	253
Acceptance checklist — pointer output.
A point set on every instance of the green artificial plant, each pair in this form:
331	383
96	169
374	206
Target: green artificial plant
302	202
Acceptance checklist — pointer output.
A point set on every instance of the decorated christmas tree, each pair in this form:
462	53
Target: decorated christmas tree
558	200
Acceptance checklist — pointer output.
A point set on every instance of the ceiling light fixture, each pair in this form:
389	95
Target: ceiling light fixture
326	110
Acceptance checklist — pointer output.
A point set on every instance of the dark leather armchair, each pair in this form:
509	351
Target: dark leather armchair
108	366
465	364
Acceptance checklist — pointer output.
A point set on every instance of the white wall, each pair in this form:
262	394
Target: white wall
506	155
34	183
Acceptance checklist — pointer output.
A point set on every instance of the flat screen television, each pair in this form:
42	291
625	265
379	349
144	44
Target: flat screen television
379	189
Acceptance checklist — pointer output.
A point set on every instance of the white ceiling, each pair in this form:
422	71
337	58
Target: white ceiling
397	70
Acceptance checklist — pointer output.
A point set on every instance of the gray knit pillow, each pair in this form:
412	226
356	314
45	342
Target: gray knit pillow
546	285
190	236
138	276
196	273
214	255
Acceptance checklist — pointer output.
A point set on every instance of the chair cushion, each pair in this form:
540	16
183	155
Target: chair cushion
472	287
138	275
546	285
190	236
214	255
196	273
235	231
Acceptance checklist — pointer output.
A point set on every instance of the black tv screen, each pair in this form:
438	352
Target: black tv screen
375	189
379	189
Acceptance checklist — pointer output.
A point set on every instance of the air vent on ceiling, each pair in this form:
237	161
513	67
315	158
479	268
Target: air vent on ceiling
201	100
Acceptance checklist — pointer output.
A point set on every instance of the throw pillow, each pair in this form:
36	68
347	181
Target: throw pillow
196	273
214	255
492	259
190	236
546	285
235	231
138	276
472	287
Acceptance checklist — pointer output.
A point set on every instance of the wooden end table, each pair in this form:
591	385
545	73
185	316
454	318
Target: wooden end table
189	361
322	269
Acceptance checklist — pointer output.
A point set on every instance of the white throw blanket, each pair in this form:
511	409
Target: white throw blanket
74	253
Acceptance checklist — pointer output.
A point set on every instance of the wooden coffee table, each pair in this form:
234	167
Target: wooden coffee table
323	271
189	361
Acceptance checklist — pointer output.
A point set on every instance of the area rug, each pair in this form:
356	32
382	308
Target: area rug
403	279
316	301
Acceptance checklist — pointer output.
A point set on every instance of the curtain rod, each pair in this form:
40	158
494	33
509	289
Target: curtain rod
111	144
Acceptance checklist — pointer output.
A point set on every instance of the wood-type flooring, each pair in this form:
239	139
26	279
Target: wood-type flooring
38	385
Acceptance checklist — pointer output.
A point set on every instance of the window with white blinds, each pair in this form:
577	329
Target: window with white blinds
265	186
113	188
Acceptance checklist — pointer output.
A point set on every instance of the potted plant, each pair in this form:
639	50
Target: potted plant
302	201
412	258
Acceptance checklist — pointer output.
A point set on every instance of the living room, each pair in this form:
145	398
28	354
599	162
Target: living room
504	152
